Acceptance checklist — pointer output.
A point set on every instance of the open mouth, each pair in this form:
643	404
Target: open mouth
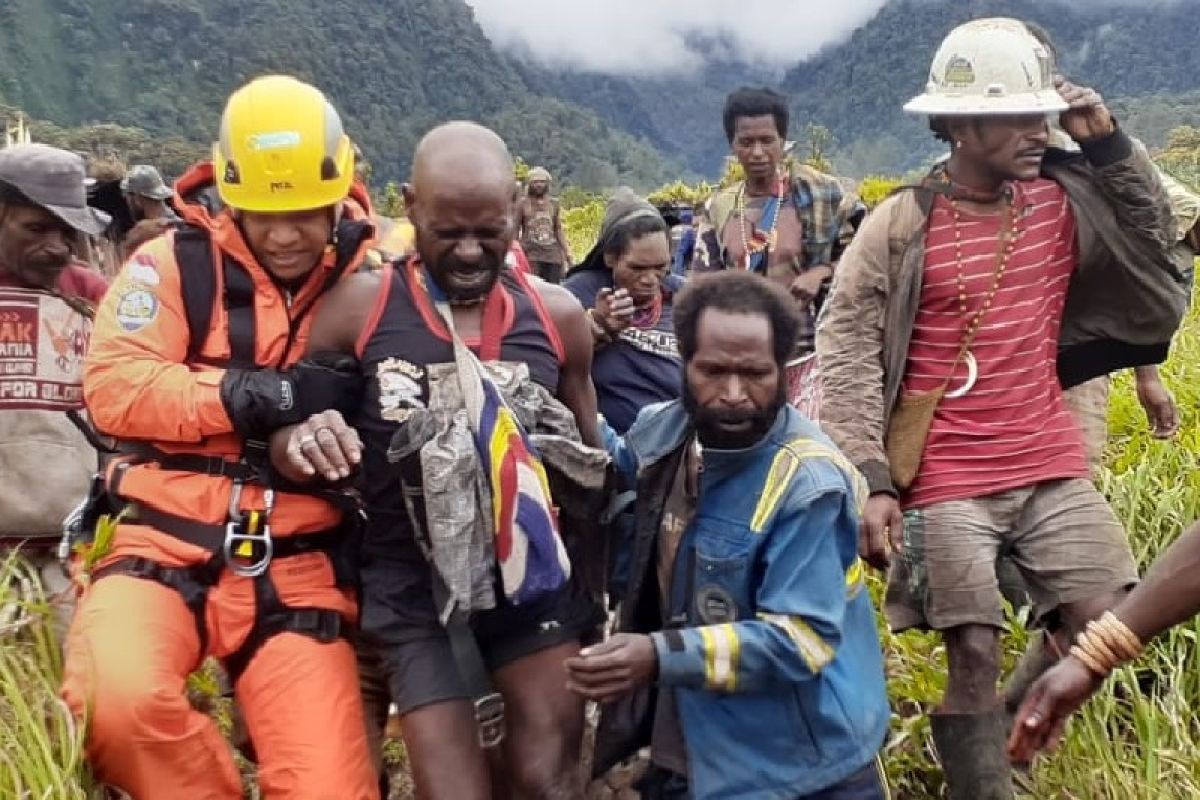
470	277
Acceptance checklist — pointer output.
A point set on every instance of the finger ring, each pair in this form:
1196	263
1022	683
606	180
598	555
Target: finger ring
324	429
306	439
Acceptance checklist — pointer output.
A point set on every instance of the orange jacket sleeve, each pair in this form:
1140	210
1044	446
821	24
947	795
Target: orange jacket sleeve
135	382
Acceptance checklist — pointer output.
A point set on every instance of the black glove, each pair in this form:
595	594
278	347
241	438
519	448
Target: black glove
260	401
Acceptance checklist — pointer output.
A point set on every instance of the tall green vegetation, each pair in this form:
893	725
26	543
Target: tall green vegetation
41	746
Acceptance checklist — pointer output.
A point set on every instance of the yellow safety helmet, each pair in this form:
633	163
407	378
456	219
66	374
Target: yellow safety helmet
282	148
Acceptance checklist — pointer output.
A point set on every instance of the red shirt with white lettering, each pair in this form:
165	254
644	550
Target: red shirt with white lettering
1012	428
43	342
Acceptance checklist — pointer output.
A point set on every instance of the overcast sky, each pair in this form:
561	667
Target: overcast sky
649	36
640	36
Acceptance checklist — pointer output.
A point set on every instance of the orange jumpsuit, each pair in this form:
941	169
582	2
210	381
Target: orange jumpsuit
134	640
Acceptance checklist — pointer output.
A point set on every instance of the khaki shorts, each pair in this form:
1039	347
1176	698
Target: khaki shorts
1061	535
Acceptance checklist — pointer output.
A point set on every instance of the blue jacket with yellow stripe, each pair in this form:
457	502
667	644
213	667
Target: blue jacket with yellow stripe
771	647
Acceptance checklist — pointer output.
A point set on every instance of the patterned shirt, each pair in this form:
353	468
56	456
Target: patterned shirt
815	203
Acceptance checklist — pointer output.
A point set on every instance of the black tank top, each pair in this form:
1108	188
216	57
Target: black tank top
404	335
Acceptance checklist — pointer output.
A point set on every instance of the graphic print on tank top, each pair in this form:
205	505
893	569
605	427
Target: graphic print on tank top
406	345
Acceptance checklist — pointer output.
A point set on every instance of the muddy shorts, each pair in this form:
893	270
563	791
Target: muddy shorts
400	624
1061	535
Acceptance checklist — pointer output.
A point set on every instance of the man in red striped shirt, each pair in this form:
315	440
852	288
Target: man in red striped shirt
1017	268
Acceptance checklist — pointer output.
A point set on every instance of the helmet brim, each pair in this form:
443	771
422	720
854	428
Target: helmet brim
945	105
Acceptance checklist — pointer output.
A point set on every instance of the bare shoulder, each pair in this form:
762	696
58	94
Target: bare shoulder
345	310
560	303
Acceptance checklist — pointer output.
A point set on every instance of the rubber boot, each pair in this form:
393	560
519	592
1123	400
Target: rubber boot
971	750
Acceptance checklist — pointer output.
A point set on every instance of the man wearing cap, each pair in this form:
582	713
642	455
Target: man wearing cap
958	314
47	301
539	228
146	195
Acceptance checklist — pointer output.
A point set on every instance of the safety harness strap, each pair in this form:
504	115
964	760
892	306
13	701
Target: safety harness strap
214	466
211	536
192	584
239	307
198	264
273	617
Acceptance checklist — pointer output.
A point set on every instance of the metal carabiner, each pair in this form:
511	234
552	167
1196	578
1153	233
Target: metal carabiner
248	534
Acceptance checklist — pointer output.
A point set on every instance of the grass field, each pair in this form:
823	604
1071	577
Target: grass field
1139	739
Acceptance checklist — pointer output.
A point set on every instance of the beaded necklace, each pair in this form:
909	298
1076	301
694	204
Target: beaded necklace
756	241
1008	241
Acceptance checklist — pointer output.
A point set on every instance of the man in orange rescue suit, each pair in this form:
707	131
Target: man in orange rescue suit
195	359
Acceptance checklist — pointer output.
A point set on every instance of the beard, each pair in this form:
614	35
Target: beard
464	284
710	423
43	271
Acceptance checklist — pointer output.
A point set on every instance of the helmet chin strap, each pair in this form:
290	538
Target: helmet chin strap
339	210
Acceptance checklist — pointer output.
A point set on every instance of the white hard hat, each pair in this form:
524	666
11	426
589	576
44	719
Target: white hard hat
989	66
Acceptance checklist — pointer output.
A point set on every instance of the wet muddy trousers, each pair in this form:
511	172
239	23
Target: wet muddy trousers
130	650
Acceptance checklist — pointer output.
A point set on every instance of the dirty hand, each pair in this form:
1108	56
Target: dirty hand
1160	407
614	310
807	285
1043	714
881	531
613	668
324	445
1088	117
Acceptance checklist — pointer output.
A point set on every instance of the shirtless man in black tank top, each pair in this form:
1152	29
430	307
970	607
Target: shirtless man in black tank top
462	202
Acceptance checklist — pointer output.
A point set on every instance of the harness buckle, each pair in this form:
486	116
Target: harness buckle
248	546
321	624
489	716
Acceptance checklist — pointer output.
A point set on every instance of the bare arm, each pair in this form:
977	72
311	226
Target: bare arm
1169	595
520	220
343	314
561	234
1170	592
336	327
575	388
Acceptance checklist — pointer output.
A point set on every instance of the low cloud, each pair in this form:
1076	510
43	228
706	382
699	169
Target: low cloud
639	37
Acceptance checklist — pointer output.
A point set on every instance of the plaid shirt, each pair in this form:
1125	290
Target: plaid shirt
817	200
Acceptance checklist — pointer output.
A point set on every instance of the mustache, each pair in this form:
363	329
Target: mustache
730	416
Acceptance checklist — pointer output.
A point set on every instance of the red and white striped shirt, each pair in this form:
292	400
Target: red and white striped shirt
1012	428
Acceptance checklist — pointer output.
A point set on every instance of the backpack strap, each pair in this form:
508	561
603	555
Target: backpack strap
198	264
239	309
197	284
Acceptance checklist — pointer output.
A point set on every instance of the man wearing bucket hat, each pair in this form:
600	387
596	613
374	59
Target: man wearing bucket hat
539	228
47	301
199	550
957	315
146	193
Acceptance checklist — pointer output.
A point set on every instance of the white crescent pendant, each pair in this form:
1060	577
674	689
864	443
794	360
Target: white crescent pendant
972	376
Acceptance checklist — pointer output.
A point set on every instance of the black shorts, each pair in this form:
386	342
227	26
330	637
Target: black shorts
400	622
